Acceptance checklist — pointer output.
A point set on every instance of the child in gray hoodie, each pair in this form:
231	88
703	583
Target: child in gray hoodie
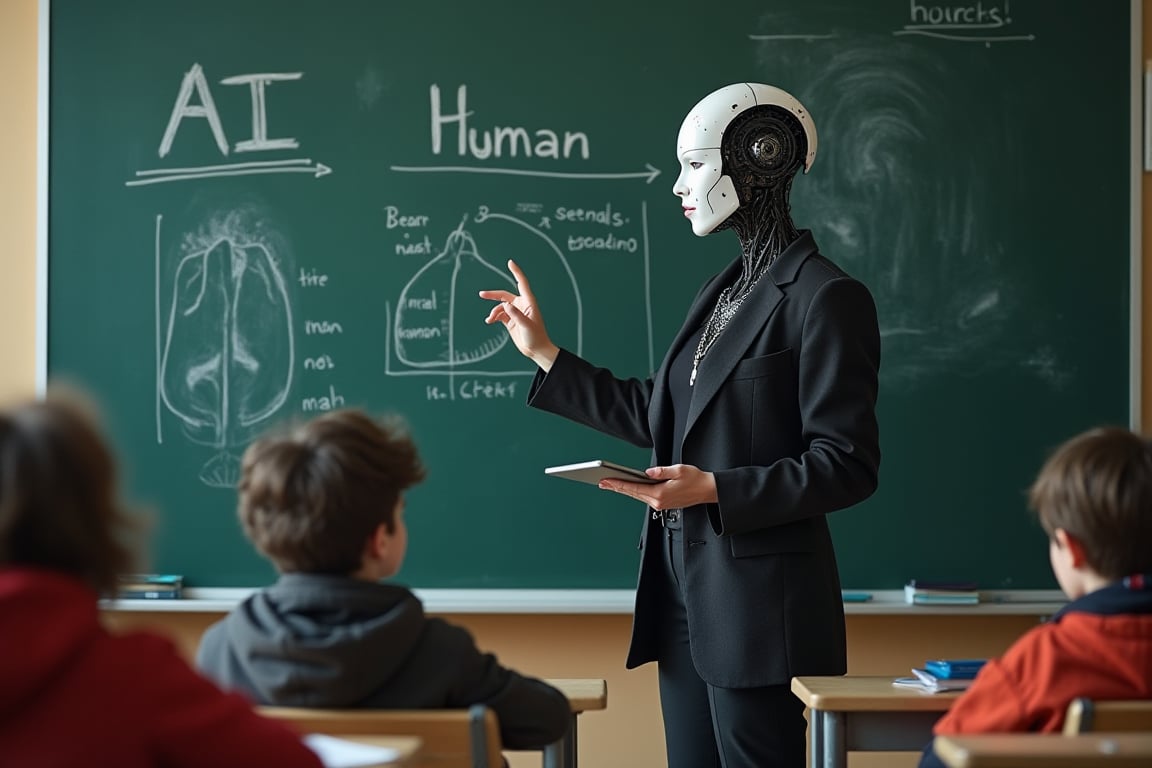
325	504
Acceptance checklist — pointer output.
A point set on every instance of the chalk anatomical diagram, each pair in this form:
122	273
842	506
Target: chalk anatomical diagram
227	359
436	315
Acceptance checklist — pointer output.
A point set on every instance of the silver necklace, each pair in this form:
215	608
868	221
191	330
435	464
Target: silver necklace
721	315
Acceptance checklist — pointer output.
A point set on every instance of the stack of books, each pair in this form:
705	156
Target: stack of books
150	586
942	675
920	592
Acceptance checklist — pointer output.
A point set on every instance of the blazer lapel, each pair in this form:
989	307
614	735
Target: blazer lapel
660	414
729	349
746	325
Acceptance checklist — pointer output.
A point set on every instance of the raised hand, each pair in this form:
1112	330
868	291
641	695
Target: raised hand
521	317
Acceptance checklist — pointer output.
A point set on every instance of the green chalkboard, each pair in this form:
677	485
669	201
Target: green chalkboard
263	209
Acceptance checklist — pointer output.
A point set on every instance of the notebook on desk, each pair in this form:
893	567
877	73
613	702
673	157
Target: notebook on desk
923	680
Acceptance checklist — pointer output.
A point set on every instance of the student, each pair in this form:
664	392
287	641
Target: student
71	693
1094	499
325	504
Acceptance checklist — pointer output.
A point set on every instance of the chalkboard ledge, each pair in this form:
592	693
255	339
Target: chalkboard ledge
607	601
222	599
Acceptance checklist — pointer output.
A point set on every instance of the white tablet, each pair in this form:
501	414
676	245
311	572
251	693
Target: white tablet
595	471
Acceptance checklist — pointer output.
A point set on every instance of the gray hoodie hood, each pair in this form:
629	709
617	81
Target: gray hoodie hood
336	642
318	641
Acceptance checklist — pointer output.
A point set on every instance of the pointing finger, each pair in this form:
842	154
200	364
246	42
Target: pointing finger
497	295
521	281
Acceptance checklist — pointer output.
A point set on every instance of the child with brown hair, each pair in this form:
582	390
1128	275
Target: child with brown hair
325	503
1093	497
71	693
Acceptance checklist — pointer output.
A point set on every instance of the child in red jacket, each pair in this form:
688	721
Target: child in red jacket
1094	499
71	693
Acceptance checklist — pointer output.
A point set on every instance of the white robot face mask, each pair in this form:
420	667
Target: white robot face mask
705	186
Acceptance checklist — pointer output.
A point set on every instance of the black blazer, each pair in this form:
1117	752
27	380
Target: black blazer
783	412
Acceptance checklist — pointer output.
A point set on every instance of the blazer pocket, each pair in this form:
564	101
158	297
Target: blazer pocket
756	367
799	536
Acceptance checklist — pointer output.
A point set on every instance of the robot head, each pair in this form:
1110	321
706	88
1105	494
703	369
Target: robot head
738	139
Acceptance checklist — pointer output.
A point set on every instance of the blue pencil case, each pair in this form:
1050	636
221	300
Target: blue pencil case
954	669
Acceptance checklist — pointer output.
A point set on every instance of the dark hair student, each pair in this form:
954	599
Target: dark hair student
325	502
74	693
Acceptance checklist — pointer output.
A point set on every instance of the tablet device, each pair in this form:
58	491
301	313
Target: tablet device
595	471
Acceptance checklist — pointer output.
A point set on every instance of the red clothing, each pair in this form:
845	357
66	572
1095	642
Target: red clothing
72	694
1099	646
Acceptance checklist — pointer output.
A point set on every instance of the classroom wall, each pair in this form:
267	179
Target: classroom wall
18	45
628	734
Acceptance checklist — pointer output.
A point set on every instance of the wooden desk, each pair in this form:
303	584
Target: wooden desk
866	713
407	746
583	694
1050	750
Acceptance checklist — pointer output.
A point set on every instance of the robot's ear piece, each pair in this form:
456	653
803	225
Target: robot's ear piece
764	145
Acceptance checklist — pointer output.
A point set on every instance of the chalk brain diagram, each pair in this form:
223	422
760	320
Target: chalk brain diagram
227	359
436	324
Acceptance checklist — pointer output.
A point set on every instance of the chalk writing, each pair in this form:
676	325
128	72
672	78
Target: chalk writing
607	243
474	389
500	141
184	108
321	363
322	327
195	85
327	402
421	248
972	22
393	218
603	215
312	279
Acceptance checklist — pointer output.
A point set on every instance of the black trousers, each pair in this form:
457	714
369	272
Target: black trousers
706	726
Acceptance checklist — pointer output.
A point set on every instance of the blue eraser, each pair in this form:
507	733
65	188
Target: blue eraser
856	597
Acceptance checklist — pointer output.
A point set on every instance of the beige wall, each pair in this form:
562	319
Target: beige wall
628	734
18	43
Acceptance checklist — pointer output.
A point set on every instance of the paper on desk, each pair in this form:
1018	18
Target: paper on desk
925	681
341	753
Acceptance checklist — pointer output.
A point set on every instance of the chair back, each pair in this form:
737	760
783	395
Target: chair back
1087	715
450	738
1045	750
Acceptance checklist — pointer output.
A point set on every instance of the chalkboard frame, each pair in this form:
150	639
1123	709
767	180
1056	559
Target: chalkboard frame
1136	362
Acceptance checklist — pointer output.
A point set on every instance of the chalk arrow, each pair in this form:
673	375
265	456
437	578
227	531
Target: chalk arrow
650	174
162	175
